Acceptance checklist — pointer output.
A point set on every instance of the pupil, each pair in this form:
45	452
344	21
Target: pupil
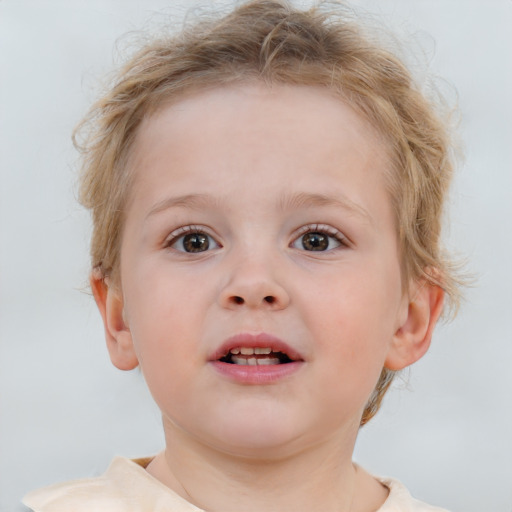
315	241
195	242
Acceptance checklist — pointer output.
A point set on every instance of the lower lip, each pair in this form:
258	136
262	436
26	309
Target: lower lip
257	375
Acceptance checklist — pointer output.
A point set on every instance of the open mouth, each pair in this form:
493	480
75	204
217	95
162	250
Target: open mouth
255	356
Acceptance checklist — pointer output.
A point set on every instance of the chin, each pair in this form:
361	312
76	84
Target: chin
255	436
259	449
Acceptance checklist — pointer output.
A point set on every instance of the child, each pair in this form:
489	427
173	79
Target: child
266	192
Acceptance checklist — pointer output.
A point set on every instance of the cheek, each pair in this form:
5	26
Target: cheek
158	293
166	348
156	315
355	314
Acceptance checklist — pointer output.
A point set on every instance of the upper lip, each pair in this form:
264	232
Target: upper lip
260	340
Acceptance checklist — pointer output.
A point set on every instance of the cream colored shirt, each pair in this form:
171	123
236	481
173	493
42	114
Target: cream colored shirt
127	487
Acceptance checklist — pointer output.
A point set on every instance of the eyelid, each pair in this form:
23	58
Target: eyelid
182	231
322	228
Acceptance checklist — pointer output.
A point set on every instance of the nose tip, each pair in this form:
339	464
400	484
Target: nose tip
254	293
253	277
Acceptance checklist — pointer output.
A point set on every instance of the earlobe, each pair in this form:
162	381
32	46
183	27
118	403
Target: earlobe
117	333
412	338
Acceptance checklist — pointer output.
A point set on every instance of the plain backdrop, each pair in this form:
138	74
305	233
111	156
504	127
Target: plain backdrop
446	428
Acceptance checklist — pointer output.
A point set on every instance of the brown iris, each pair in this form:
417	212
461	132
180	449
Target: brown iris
196	242
315	241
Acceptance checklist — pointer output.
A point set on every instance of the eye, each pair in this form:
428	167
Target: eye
318	239
191	241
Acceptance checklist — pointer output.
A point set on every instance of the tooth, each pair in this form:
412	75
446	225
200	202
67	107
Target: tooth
265	350
254	361
268	360
247	351
235	350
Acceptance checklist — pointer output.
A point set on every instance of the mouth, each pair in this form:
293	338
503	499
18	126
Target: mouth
256	359
262	349
256	356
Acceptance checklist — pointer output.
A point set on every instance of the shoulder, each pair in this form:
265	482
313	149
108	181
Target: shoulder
124	487
400	500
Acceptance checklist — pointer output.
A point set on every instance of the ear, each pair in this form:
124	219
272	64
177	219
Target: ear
110	302
413	336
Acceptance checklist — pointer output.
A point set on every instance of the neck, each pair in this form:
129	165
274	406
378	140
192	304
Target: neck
320	477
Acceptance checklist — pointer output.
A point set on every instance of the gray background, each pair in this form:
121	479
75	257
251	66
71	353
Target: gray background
65	411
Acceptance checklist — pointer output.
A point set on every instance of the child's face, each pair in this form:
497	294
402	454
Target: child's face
259	218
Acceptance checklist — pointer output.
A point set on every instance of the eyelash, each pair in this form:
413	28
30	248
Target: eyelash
180	234
322	229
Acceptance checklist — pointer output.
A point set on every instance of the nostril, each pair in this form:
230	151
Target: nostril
238	300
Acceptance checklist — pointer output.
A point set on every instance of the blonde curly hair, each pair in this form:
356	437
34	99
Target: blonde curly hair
273	42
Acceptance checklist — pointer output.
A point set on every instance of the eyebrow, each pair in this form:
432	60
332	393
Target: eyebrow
286	202
192	201
305	200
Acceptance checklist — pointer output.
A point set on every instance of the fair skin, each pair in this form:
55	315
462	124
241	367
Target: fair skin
259	217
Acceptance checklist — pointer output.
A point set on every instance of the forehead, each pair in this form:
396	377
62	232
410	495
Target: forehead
261	106
285	135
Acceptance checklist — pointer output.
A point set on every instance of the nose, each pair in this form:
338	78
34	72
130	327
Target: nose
253	285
